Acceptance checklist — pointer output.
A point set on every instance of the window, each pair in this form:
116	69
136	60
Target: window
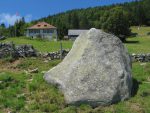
44	31
30	31
36	31
48	31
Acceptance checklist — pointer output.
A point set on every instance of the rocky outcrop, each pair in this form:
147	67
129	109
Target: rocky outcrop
96	71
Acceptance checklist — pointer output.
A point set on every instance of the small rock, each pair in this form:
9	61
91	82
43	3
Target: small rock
36	70
26	72
43	72
45	61
30	80
143	64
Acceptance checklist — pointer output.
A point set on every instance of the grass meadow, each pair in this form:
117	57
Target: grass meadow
22	92
40	45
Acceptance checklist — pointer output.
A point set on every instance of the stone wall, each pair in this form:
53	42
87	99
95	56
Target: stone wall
9	49
55	55
140	57
134	57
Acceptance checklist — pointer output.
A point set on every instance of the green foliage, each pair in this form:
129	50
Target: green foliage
3	30
17	30
116	23
19	27
111	18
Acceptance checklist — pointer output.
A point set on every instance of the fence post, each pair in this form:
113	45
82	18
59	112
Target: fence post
61	57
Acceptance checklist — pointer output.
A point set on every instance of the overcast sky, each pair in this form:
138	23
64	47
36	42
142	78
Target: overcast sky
11	10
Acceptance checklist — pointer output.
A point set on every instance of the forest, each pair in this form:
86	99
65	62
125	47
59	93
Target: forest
116	19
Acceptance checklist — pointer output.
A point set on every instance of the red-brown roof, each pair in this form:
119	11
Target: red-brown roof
42	25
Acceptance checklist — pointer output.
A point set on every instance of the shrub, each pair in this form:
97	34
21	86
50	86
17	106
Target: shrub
116	23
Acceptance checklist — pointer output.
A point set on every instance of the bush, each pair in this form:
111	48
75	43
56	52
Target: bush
116	23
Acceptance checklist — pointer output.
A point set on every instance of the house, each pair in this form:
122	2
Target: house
74	33
42	30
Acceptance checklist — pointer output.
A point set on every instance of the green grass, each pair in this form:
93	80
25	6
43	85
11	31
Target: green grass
41	45
138	44
28	93
141	43
22	92
142	31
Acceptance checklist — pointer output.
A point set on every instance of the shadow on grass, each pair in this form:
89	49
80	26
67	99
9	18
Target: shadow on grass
135	87
131	42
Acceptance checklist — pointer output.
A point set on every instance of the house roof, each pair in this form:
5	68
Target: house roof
41	25
76	31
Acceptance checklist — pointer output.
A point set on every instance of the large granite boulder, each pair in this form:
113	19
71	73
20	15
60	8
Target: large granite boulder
96	71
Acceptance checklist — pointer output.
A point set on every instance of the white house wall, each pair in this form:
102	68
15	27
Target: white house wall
42	34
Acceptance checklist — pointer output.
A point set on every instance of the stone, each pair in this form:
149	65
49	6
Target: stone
36	70
26	51
10	50
97	71
2	37
7	49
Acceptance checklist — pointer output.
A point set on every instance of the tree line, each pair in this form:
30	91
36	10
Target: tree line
115	19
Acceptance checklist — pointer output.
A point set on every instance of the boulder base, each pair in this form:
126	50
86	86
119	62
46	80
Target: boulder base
97	70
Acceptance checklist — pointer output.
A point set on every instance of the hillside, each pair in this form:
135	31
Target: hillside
116	19
137	12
